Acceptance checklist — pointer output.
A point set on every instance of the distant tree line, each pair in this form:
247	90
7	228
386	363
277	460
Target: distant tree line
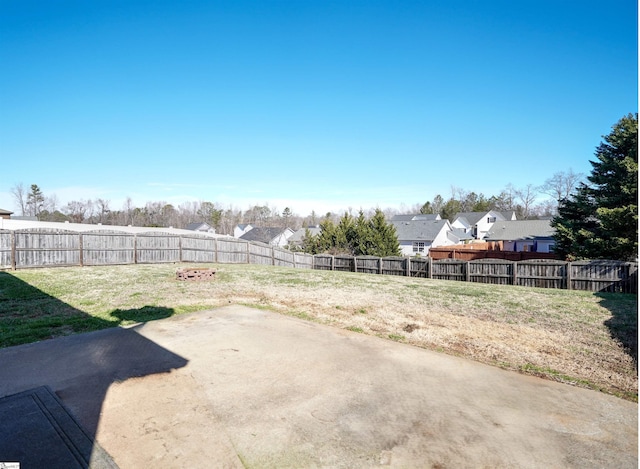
33	202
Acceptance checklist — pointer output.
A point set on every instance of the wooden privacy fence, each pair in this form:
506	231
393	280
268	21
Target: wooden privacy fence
595	275
27	248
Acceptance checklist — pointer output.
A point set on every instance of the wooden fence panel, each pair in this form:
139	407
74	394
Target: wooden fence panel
367	264
604	276
447	269
260	253
108	248
283	257
232	251
303	261
40	248
198	249
322	262
343	263
152	248
541	274
420	267
493	271
394	266
6	242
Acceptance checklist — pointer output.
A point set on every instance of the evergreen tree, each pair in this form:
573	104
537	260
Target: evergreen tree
35	201
385	238
600	221
358	237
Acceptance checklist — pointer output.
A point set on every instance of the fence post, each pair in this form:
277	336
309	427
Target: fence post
355	264
408	267
514	279
180	248
430	273
273	255
135	249
333	262
467	276
215	250
81	246
380	266
569	276
13	250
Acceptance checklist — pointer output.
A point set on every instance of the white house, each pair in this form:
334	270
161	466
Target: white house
523	235
273	236
417	236
239	230
477	223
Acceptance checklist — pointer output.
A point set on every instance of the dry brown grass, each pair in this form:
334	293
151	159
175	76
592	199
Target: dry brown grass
573	337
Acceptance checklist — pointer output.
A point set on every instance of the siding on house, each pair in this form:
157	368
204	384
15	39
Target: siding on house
477	224
418	236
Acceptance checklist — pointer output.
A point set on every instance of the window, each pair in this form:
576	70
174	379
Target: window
418	246
491	219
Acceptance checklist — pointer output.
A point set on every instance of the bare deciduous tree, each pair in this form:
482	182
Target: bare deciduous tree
527	196
20	197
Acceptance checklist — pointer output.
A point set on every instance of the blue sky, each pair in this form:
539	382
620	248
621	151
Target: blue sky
314	105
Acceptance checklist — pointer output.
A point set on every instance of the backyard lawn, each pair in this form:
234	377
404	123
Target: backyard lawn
581	338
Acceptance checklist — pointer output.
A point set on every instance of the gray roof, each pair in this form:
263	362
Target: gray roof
419	230
198	226
416	216
5	212
298	235
263	235
520	229
474	217
461	234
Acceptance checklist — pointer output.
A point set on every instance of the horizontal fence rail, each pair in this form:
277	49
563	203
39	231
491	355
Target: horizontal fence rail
40	247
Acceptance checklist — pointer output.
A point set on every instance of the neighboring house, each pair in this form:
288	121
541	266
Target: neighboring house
477	224
239	230
523	235
416	237
201	226
272	236
6	214
509	215
296	238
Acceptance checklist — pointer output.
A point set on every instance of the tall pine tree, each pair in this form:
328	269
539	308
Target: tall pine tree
600	221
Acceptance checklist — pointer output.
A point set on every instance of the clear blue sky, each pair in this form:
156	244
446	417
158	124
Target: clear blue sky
319	105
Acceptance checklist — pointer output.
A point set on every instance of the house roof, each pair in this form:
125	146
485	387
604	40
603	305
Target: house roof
509	215
5	212
520	229
459	234
198	226
263	235
420	230
416	217
299	235
474	217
